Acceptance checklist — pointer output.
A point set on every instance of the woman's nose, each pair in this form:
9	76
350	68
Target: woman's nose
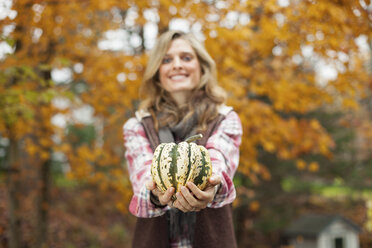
177	63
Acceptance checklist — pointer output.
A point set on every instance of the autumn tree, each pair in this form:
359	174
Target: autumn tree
44	38
270	54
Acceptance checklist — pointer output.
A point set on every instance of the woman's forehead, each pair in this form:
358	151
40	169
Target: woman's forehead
180	45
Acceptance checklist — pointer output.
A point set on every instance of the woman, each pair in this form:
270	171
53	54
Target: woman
182	98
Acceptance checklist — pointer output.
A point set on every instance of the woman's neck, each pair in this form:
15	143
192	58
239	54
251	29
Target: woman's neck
181	98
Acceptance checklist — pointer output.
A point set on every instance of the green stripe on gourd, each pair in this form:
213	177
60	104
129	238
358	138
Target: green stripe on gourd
173	165
204	171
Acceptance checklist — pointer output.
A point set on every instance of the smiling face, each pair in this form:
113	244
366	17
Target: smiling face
179	72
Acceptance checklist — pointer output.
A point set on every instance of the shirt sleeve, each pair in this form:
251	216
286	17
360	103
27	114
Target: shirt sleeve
138	154
223	146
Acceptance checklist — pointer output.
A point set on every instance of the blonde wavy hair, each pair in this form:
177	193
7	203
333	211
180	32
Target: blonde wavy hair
204	99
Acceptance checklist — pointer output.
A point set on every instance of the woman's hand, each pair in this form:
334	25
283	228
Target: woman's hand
163	198
191	198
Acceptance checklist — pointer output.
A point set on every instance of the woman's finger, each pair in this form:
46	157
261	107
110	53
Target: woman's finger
150	185
189	197
166	197
214	180
196	191
182	203
177	204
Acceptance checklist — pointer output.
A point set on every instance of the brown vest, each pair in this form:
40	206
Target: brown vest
213	228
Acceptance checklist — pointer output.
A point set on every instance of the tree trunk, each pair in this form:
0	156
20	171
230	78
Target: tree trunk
13	182
42	206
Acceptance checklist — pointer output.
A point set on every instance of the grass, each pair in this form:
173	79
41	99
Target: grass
336	189
62	181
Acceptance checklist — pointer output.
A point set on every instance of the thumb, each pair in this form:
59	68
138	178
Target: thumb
150	185
215	180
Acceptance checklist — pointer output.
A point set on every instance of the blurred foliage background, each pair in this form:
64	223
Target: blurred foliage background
297	72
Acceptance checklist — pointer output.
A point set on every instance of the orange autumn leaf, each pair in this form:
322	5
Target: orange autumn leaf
300	164
313	167
254	206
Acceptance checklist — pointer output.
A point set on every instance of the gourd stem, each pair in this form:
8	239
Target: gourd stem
193	138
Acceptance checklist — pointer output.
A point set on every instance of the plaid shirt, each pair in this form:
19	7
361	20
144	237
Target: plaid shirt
223	146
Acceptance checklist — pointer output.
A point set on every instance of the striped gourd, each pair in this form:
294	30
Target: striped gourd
175	164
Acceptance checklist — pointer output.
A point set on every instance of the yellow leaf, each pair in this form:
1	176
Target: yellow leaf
350	104
254	206
300	164
44	155
315	124
313	166
269	146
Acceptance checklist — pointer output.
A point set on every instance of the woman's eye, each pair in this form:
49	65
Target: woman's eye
166	60
187	58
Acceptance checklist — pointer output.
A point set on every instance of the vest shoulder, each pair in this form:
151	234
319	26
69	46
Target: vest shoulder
224	109
140	114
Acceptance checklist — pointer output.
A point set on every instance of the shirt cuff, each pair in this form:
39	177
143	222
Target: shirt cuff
141	205
155	200
225	194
